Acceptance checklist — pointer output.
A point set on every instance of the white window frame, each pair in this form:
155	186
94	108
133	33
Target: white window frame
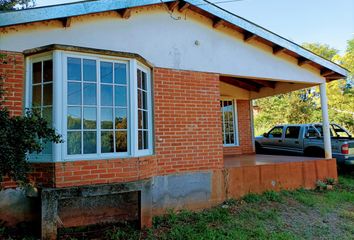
60	107
235	118
42	157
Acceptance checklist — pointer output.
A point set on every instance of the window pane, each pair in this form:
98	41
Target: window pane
47	149
36	95
143	81
106	72
74	69
74	93
146	141
74	143
140	140
74	117
47	115
107	142
106	95
120	96
89	70
140	119
47	94
107	118
139	78
277	132
145	120
292	132
90	142
121	141
37	72
232	139
227	139
48	71
89	94
140	100
121	118
144	99
120	73
90	118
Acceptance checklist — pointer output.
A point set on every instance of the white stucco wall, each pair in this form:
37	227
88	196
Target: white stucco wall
164	42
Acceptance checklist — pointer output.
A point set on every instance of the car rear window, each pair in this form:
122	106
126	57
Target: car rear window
292	132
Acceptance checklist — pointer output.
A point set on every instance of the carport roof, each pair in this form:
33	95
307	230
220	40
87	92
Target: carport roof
219	16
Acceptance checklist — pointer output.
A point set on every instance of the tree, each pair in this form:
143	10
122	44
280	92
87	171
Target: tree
323	50
8	5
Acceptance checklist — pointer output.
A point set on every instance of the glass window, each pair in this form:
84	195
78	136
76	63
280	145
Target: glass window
276	132
143	111
81	106
292	132
228	122
105	112
88	122
42	93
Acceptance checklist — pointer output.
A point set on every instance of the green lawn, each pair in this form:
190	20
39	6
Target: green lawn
300	214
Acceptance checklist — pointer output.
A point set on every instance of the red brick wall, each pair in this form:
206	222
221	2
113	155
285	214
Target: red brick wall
187	121
12	70
244	130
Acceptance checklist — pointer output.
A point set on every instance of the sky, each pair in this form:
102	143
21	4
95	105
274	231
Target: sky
323	21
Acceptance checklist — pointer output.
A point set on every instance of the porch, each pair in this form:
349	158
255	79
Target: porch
255	173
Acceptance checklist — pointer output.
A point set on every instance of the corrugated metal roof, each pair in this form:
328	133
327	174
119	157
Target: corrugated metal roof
87	7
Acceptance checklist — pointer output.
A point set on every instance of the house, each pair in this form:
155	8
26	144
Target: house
153	101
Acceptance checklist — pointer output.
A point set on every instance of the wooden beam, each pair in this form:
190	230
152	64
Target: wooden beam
173	5
124	13
264	83
278	49
326	72
218	22
248	36
184	7
241	83
301	61
66	21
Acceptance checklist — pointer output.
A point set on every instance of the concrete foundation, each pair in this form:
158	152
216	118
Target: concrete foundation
141	200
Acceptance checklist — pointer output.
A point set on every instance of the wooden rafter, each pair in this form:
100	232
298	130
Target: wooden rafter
173	5
326	72
66	21
241	83
278	49
301	61
124	13
218	22
184	6
263	83
248	36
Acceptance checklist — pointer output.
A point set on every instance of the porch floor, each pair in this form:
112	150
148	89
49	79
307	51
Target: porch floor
231	161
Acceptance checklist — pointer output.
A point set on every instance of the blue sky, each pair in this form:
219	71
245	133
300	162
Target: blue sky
323	21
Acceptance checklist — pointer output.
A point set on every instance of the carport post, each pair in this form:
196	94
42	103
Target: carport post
325	121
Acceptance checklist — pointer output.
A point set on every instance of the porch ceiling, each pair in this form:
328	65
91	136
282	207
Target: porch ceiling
250	89
248	83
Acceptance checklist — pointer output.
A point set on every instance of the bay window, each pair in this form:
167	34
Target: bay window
102	105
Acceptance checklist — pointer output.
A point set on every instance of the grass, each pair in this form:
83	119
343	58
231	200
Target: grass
300	214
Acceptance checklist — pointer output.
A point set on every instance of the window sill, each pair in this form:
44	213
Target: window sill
230	145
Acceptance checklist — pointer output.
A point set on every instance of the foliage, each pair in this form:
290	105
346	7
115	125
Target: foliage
19	137
323	50
8	5
303	106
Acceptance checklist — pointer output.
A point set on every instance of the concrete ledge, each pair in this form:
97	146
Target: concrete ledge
50	198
